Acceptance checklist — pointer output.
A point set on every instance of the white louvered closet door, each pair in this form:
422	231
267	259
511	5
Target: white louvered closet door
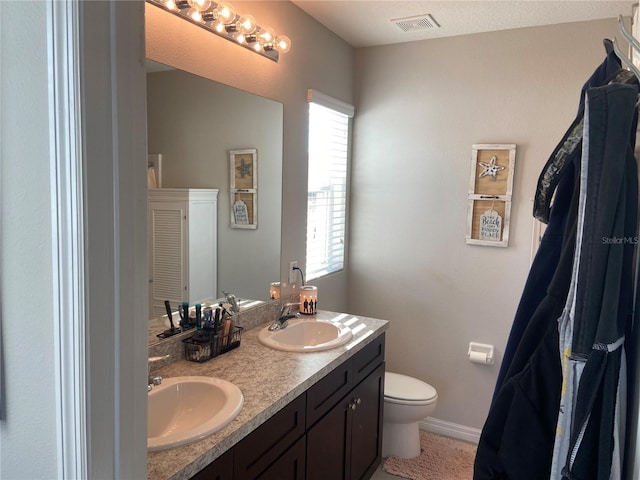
168	247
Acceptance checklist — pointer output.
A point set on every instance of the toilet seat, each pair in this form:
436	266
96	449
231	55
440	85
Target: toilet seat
405	390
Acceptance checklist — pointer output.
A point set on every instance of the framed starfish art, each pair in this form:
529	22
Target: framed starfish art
490	189
243	186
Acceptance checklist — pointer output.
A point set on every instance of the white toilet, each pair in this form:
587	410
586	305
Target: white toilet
407	400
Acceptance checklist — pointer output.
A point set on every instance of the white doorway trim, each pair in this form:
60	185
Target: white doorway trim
67	226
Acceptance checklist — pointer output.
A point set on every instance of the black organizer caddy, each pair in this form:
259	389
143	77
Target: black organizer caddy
205	344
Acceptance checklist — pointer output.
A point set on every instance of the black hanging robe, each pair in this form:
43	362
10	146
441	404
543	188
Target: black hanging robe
589	288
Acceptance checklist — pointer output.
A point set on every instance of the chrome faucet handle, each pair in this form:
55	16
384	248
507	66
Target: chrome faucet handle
284	317
287	308
232	301
154	379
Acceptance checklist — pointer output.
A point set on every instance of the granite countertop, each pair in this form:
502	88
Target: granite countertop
269	379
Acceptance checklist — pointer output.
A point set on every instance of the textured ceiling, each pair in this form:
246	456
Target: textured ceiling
366	23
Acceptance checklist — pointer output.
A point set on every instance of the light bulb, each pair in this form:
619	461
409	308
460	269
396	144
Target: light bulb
266	35
253	42
266	38
218	26
283	43
200	5
226	12
171	5
194	14
247	24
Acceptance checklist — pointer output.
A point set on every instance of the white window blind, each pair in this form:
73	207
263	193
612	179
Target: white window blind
327	184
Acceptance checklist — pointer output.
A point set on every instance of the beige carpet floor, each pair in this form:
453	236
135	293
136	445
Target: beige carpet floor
442	458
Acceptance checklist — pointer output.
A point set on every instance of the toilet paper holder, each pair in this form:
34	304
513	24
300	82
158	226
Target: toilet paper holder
480	353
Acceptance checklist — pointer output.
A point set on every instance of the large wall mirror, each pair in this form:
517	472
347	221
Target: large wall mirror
194	123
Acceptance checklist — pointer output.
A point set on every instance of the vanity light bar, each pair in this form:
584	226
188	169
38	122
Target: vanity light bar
221	19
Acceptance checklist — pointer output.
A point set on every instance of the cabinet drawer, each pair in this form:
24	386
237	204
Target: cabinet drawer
367	360
322	396
255	453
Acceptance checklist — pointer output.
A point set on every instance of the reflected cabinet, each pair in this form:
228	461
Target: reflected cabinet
182	232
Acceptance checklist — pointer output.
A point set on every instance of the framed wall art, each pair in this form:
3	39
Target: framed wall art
490	189
243	187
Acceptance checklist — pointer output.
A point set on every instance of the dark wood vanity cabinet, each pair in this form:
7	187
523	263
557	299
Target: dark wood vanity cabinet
346	441
333	431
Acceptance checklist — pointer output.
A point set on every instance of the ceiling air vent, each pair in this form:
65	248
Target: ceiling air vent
414	24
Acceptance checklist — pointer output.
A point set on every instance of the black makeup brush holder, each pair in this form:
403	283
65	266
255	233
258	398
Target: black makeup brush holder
206	344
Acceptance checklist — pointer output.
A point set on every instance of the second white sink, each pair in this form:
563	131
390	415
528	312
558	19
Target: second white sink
304	335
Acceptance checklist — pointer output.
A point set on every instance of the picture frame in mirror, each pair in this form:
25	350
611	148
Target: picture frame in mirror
243	187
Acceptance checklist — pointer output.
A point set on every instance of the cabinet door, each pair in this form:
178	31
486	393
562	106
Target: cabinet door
219	469
328	445
366	405
167	244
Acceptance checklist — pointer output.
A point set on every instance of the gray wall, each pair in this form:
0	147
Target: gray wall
420	107
27	389
194	122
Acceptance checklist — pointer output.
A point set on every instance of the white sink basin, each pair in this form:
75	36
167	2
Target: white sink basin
304	335
183	410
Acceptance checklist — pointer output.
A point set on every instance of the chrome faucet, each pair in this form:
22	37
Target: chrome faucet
285	316
231	300
154	379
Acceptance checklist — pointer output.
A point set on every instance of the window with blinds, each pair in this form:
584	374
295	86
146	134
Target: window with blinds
327	184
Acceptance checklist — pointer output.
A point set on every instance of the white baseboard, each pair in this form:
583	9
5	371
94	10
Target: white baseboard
450	429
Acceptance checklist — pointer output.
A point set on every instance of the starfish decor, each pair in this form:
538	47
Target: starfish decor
245	168
490	168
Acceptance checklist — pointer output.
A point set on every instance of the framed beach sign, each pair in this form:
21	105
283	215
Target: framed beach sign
243	187
490	189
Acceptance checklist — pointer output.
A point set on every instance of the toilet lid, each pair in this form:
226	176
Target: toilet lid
407	388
